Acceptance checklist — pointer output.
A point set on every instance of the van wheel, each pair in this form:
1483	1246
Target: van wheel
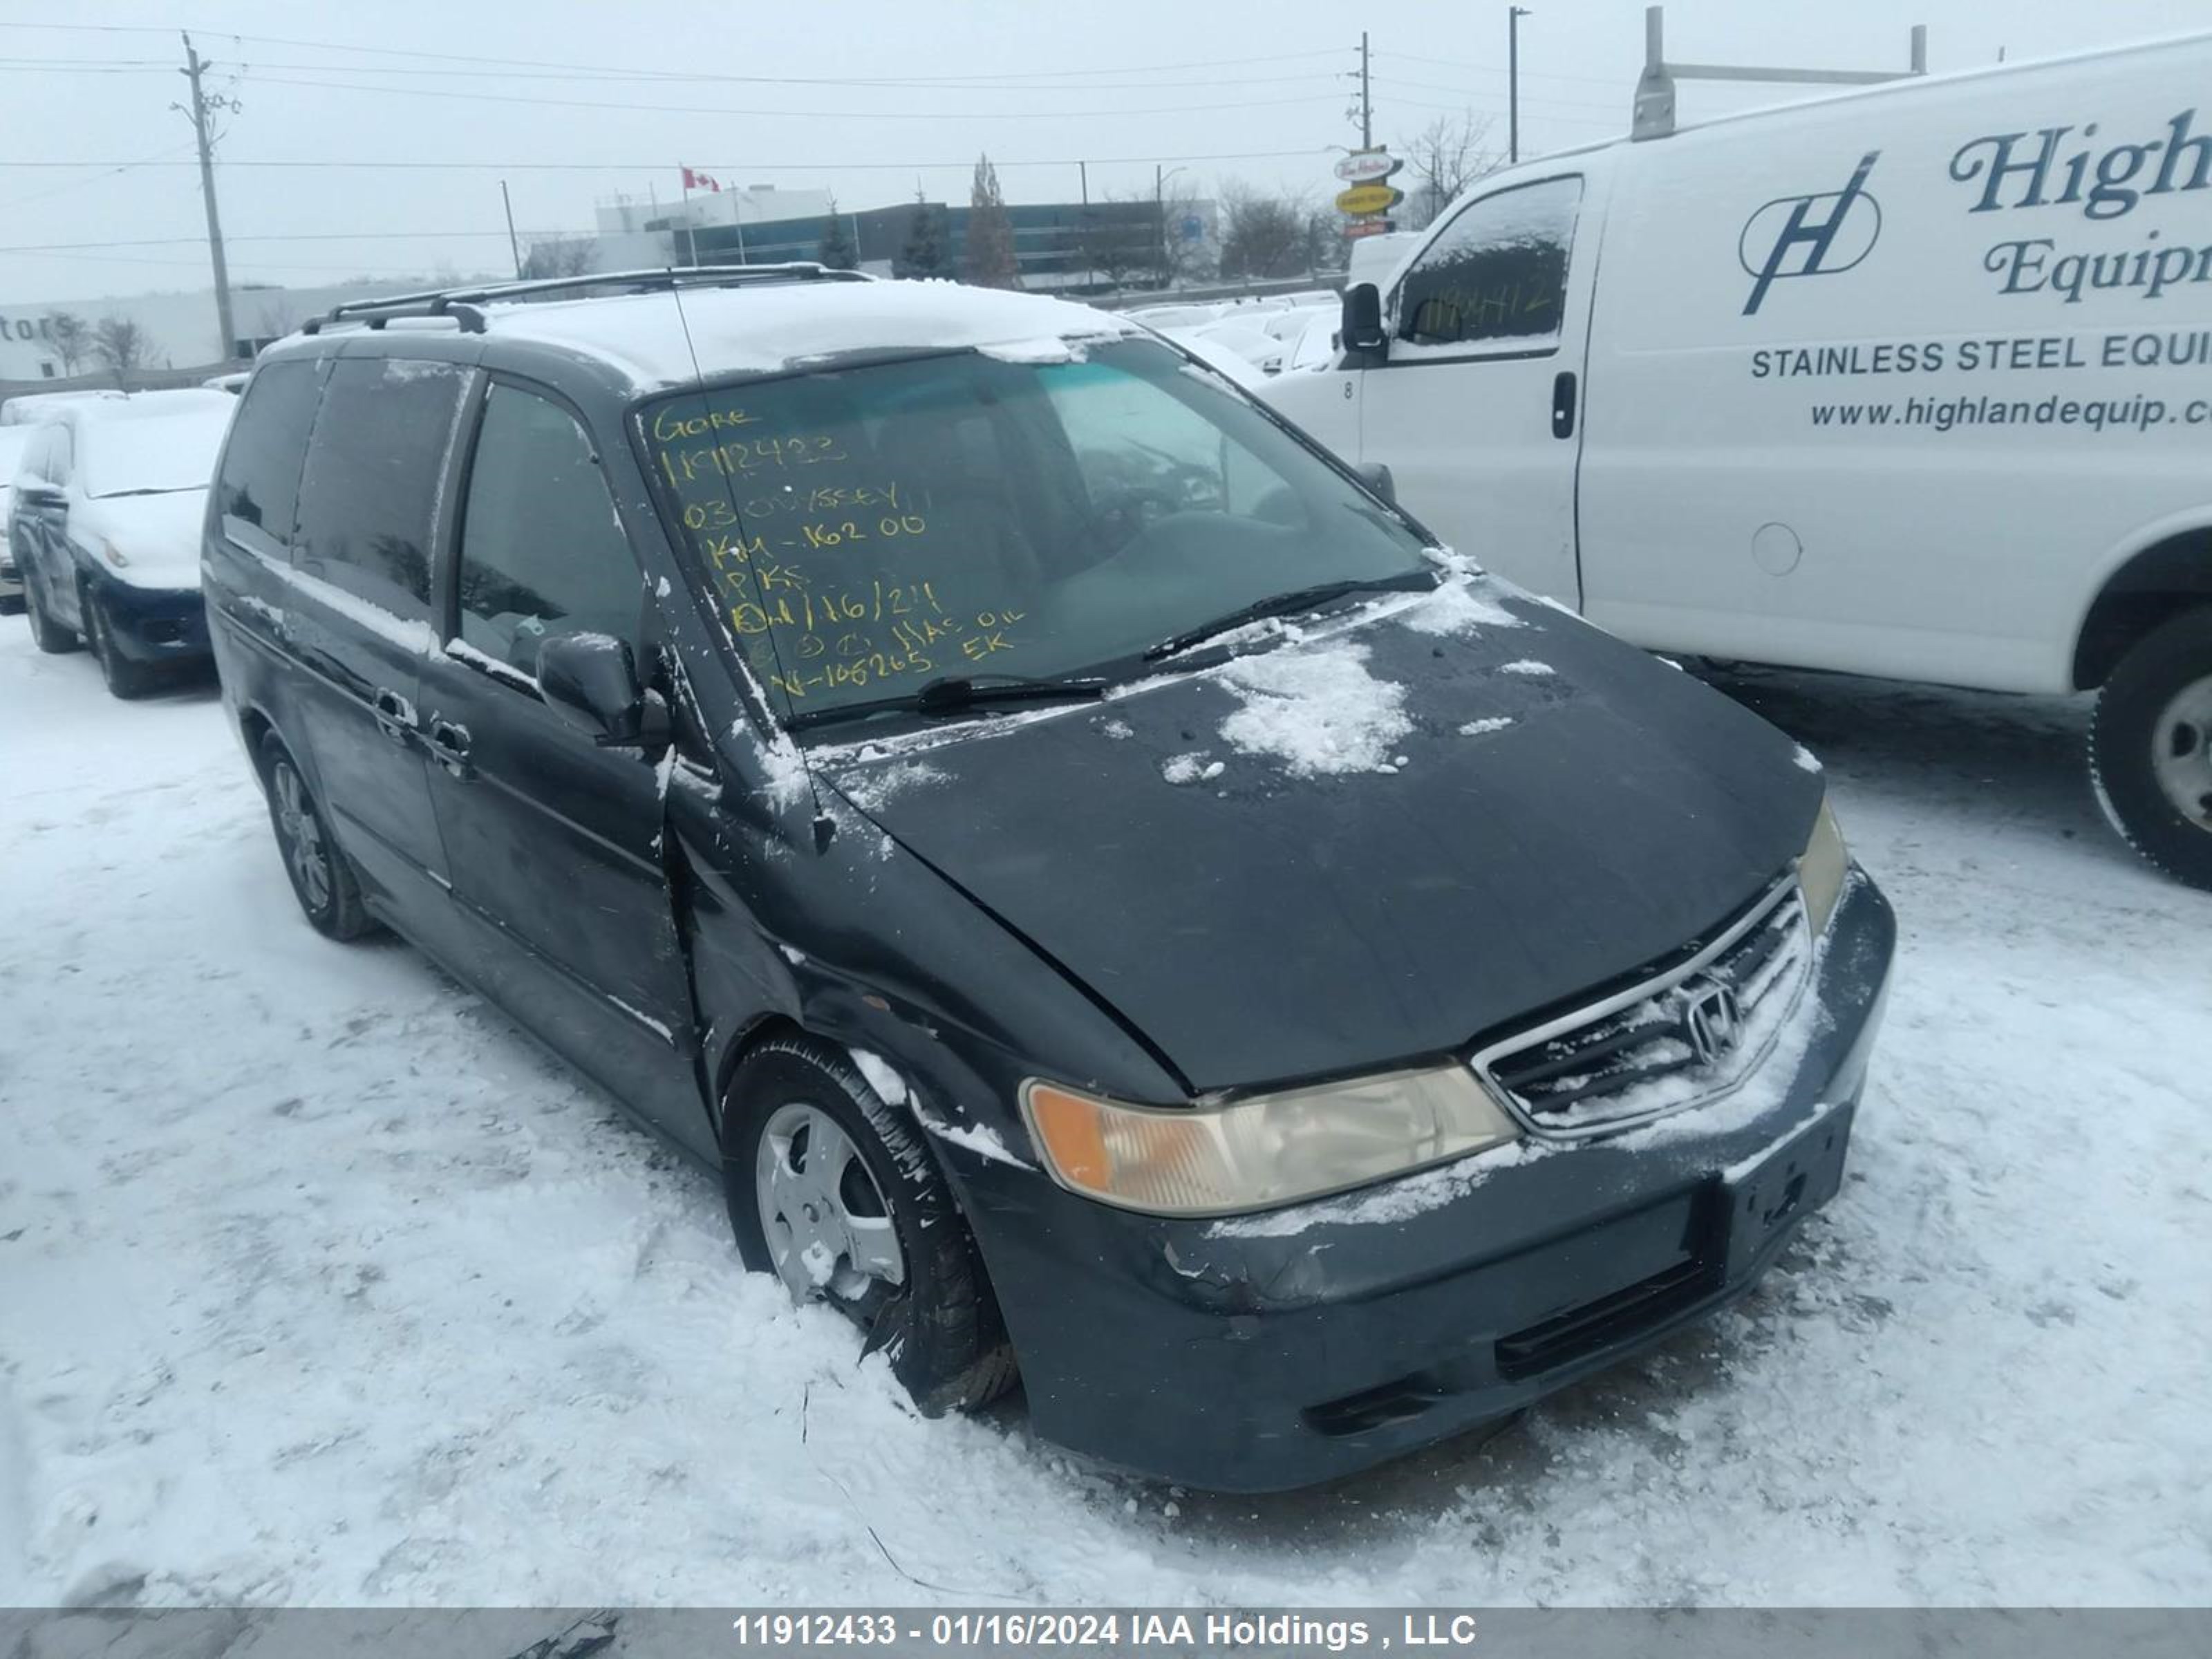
321	879
124	677
834	1193
49	635
2150	747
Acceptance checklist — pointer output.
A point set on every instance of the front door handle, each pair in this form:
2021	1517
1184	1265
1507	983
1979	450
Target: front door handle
449	747
1562	405
395	715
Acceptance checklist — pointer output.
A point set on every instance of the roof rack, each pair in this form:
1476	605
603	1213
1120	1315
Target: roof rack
464	305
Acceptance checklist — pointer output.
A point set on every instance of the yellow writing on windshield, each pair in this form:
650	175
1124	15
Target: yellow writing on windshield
830	581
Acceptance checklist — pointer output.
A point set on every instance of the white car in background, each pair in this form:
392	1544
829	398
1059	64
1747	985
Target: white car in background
12	440
104	529
32	407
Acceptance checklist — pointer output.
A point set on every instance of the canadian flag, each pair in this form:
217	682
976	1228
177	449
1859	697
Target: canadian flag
701	181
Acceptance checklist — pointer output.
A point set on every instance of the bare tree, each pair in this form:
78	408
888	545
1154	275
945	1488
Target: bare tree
1265	235
1443	158
1182	258
558	256
120	343
72	338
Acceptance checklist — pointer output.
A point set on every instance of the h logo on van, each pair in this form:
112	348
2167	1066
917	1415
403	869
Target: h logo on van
1810	235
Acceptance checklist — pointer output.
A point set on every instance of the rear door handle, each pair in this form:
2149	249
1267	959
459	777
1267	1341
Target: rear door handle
395	715
449	747
1562	405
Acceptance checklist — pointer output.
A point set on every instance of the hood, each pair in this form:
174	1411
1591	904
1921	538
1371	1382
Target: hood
159	534
1368	844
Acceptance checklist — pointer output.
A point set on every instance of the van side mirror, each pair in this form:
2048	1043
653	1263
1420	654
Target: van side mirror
40	493
1363	321
1376	476
591	682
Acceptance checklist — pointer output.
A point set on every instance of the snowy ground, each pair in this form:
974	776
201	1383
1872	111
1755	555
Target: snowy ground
318	1284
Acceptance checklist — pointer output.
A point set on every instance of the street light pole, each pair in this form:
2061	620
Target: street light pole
1160	219
1513	16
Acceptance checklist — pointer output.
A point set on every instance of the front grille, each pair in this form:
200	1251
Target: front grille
1679	1039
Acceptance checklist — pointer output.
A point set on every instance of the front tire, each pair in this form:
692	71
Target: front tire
2150	747
321	879
49	635
124	677
834	1193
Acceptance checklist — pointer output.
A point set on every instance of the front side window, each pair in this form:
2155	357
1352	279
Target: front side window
1496	274
259	487
871	529
542	552
369	491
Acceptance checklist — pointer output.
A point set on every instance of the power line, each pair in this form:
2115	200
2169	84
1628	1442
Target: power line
1497	69
542	64
381	164
1030	85
970	115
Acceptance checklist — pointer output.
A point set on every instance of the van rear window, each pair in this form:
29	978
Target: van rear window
259	485
371	482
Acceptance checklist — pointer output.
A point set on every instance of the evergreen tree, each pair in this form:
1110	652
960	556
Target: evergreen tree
989	260
837	251
923	252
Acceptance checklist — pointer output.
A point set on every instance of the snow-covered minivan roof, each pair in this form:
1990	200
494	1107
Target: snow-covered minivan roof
661	340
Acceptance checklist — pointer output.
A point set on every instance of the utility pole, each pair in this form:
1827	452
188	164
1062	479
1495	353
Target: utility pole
1513	16
512	245
1366	102
202	104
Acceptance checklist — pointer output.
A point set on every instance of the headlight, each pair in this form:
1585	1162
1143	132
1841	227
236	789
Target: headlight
1821	871
113	554
1265	1151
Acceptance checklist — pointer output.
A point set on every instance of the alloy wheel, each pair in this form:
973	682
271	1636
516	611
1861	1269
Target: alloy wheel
303	835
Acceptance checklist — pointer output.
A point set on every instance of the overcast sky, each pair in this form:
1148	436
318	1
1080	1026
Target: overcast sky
866	97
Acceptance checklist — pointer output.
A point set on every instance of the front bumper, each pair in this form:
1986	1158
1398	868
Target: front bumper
155	624
1269	1351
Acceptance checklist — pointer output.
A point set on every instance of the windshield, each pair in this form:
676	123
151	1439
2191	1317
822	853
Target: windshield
871	529
150	454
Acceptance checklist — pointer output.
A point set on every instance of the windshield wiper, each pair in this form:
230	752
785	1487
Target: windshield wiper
949	693
1283	605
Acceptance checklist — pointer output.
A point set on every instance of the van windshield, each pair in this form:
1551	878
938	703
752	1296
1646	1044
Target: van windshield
871	529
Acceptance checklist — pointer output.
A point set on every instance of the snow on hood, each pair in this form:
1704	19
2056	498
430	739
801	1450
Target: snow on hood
160	535
651	337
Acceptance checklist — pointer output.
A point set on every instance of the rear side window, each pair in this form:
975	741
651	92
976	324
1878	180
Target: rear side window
368	495
259	484
542	552
1497	273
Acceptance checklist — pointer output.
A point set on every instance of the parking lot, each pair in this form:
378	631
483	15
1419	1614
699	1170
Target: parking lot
319	1284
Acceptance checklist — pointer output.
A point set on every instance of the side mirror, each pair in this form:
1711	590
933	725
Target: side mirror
591	681
1376	476
1363	320
39	494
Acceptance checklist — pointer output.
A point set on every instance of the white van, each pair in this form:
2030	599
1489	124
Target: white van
1914	381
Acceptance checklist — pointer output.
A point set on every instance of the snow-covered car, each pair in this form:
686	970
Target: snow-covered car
12	440
31	408
104	524
1113	901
